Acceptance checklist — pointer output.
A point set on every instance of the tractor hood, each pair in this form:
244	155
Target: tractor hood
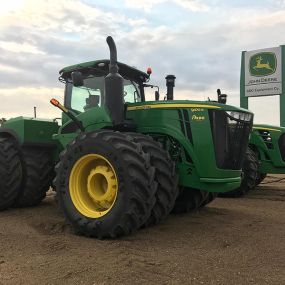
268	128
185	104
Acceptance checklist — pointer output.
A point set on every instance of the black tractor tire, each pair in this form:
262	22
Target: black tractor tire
210	197
250	171
10	172
165	177
135	194
260	177
38	173
189	200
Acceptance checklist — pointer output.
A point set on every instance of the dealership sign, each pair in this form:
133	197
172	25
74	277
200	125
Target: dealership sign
263	72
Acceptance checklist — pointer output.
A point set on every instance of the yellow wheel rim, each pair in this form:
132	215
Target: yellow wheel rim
93	185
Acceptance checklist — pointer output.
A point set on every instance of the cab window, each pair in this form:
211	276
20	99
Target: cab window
87	96
131	92
92	94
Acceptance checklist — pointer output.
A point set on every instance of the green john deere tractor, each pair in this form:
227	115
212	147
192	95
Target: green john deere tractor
268	144
119	162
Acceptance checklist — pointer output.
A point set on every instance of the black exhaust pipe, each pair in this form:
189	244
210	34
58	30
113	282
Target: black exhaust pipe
222	98
170	83
114	87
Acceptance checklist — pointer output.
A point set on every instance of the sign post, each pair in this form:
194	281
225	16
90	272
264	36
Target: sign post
282	97
263	74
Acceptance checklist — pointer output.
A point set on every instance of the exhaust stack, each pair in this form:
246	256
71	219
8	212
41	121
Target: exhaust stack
222	98
114	88
170	83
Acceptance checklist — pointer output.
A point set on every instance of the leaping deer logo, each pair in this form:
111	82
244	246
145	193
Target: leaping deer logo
260	65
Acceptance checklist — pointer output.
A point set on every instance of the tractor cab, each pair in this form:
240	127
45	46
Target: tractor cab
91	92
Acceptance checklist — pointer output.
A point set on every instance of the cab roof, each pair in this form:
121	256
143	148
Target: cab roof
102	67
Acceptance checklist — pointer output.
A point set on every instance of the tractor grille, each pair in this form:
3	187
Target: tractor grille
230	131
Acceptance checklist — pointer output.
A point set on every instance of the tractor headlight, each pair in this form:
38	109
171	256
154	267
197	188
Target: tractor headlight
240	115
266	136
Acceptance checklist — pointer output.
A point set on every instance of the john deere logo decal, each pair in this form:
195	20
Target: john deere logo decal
262	64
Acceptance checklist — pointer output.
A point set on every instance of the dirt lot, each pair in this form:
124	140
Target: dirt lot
232	241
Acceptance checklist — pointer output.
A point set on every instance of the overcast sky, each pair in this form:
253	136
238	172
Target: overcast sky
198	41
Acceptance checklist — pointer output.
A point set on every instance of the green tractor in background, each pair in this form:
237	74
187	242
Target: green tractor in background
268	143
118	162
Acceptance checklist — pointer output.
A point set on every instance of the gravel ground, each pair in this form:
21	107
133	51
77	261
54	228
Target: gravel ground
231	241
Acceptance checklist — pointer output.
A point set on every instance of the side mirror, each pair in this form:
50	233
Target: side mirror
77	78
156	93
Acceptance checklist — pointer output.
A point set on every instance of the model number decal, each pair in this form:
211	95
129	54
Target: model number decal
198	118
197	109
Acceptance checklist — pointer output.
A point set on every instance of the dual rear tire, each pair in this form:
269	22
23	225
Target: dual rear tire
25	174
138	187
10	172
165	177
38	173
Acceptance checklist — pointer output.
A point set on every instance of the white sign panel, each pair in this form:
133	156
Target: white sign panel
263	72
